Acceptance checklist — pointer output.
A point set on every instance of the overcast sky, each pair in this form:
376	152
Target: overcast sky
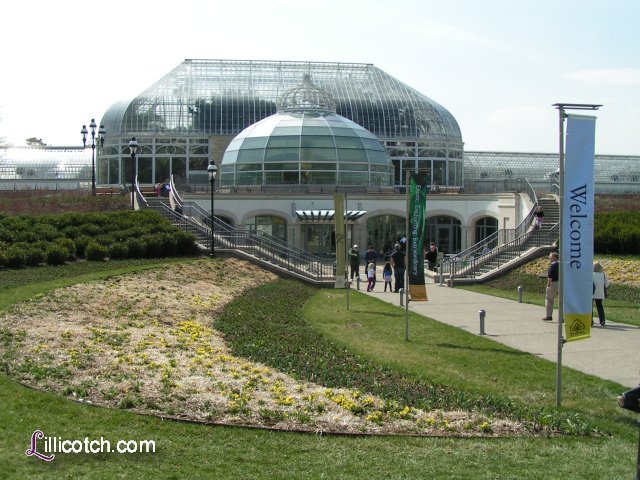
496	65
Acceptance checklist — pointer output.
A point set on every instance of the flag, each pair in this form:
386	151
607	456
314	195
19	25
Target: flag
577	227
415	241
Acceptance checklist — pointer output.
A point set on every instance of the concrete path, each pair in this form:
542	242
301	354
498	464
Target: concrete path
612	352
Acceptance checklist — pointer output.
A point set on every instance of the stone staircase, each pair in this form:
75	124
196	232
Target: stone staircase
535	243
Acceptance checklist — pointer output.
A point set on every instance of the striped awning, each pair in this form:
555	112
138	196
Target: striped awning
326	215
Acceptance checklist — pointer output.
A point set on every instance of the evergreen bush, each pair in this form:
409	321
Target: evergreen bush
95	251
118	251
56	254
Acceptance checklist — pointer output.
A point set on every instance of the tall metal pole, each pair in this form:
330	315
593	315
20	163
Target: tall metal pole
212	170
133	147
561	268
561	111
347	260
99	141
213	248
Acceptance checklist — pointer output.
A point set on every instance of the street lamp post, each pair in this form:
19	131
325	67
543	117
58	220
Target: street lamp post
100	142
133	148
212	170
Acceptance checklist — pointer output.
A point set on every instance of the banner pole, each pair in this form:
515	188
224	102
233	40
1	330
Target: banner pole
561	161
560	266
346	257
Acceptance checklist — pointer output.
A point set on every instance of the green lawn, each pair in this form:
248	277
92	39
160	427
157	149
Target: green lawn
373	330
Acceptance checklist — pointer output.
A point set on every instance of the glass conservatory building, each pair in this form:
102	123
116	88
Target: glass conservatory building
191	115
305	143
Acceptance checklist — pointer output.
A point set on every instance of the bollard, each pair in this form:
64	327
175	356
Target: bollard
401	291
358	282
482	314
520	290
441	275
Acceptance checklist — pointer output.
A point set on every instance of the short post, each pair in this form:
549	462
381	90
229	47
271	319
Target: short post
441	273
482	314
358	282
401	291
520	290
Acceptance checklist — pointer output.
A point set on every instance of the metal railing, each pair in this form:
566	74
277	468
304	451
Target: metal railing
265	248
472	266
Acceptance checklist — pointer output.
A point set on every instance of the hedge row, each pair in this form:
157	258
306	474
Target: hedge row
28	240
617	233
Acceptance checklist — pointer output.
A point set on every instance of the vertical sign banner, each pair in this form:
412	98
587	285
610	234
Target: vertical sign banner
415	242
577	228
341	241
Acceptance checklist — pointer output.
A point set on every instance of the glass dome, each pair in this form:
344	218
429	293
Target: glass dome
305	143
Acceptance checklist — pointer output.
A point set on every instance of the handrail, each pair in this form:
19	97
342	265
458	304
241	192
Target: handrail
264	247
504	235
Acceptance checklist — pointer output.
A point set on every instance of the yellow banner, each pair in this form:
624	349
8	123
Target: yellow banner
341	242
418	293
577	326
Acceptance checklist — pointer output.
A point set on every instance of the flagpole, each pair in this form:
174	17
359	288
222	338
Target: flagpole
561	341
562	116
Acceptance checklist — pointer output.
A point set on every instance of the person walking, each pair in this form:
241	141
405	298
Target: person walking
600	285
354	260
551	293
399	265
432	257
371	276
387	275
370	255
539	217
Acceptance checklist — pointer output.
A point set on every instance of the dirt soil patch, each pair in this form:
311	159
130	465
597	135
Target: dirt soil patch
145	342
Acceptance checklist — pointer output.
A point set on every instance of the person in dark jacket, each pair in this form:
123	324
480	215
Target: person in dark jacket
432	257
354	260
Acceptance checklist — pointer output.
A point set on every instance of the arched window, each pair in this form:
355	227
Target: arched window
268	224
485	227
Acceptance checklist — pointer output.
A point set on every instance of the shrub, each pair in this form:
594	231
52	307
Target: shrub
185	242
137	248
15	256
118	251
57	254
68	245
81	245
95	251
34	254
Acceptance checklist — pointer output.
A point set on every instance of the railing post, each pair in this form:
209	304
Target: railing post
520	290
482	315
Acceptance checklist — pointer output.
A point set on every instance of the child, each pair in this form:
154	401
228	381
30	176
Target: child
371	276
387	275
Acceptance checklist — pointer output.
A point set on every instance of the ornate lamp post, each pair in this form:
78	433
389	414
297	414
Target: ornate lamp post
100	142
212	170
133	148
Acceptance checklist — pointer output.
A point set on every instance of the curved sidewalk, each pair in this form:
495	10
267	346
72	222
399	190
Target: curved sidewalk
612	352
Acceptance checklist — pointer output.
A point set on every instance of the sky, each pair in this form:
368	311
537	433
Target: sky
496	65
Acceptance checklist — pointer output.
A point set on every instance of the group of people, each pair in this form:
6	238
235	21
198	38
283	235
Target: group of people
600	285
393	270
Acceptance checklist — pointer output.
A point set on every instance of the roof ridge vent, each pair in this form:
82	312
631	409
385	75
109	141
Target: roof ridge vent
306	97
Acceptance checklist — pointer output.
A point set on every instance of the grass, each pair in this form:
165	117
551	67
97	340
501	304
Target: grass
447	356
622	304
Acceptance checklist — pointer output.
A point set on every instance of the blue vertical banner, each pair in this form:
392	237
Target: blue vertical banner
577	226
415	243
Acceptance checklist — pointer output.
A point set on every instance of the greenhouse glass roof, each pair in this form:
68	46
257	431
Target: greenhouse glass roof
543	166
223	97
45	163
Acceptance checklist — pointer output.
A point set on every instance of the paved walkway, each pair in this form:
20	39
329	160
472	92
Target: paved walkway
612	352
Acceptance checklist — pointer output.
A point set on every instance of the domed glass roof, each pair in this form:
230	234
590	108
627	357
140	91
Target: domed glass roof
306	142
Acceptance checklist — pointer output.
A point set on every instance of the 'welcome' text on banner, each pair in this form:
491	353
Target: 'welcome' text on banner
577	228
